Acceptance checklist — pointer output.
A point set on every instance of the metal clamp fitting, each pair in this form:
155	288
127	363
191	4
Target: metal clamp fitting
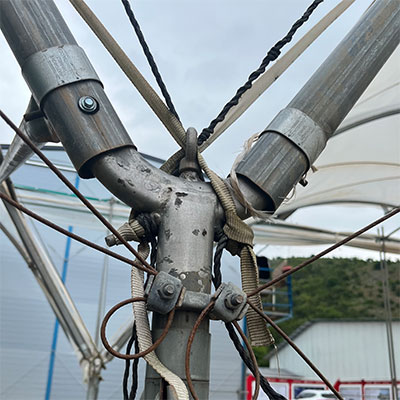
58	66
300	129
164	293
231	303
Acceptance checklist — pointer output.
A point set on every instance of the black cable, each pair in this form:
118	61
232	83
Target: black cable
150	227
135	364
272	55
149	57
132	394
217	277
217	280
244	355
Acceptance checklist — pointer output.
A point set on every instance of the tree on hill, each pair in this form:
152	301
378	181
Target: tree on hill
338	288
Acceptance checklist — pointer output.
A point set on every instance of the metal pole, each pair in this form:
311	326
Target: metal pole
57	323
94	370
103	284
52	286
388	316
185	251
298	134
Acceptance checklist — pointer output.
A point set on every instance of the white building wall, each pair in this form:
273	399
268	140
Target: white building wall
342	350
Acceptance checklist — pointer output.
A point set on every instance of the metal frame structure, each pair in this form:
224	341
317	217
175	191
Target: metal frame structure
69	99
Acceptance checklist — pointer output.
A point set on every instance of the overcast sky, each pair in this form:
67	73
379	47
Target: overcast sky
205	50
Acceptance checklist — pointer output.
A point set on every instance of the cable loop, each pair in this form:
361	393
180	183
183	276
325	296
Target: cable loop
142	353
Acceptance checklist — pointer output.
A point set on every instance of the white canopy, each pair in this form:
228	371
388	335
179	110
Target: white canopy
361	163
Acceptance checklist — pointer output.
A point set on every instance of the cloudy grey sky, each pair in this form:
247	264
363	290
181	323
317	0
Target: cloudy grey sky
205	50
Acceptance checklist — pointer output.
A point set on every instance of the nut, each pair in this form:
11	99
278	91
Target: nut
88	104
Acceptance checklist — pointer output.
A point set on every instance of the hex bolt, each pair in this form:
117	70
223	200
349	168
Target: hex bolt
167	291
237	300
88	104
234	301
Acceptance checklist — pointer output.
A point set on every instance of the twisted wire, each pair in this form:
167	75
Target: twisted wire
149	56
217	276
272	55
132	394
244	355
217	280
150	227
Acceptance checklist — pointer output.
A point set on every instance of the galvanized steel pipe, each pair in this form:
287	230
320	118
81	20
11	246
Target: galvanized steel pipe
298	134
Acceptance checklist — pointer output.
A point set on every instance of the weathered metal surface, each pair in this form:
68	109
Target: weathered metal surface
230	304
185	251
193	301
300	129
85	136
54	67
164	293
338	83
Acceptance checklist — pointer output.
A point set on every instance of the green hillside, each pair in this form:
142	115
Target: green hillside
338	288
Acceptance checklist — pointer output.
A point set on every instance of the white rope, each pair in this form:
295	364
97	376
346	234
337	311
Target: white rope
144	335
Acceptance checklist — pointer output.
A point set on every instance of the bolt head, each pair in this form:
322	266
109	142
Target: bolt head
234	301
237	299
168	290
88	104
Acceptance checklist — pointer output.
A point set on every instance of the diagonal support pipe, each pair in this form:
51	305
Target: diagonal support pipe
52	286
38	129
298	134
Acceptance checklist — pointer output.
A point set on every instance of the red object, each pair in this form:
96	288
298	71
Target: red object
250	379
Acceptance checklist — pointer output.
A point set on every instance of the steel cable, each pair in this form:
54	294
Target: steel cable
325	252
265	385
301	354
74	236
142	353
253	359
78	194
272	55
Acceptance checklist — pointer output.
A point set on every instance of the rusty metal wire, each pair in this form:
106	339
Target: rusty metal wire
75	191
299	352
324	252
199	320
253	358
78	238
142	353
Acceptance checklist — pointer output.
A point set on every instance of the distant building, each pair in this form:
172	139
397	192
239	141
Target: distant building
352	354
342	349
